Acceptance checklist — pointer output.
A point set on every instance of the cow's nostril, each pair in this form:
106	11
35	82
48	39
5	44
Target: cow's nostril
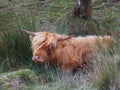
36	57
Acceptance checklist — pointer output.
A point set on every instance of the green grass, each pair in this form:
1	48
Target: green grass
105	71
13	53
21	79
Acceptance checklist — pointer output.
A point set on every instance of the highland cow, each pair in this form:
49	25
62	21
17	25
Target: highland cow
64	51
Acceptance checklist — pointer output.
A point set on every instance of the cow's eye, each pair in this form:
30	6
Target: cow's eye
47	51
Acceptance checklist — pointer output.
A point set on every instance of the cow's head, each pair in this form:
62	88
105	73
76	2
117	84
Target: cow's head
44	44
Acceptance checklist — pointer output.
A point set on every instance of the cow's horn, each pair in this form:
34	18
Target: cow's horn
29	32
64	38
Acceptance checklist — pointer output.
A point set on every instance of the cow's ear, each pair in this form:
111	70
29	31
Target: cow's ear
31	38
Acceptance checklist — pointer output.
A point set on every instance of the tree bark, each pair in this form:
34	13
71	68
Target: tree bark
83	9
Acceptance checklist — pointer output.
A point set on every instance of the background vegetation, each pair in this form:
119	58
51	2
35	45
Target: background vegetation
55	16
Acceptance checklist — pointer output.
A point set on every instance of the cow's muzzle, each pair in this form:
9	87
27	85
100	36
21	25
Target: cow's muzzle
37	59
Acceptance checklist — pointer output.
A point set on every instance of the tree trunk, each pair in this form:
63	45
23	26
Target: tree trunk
83	9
